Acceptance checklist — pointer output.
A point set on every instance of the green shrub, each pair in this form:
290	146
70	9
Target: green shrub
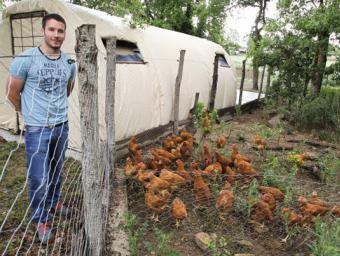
322	112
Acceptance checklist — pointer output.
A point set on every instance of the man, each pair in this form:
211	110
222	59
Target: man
40	81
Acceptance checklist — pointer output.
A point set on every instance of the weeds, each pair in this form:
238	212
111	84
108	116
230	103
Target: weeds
162	244
253	195
327	238
330	165
219	248
134	232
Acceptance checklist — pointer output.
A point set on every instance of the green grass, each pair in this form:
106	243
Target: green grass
327	239
14	192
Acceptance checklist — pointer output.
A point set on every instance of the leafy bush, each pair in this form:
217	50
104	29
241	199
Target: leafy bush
322	112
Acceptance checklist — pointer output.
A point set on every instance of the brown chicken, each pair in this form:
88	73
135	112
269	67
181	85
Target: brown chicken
168	143
145	176
186	149
215	168
206	156
261	211
245	169
178	210
176	152
194	166
292	217
231	175
224	200
157	201
315	199
236	155
221	141
138	156
157	183
310	210
163	153
171	177
270	200
153	164
336	210
260	143
141	166
182	172
130	168
185	135
201	189
178	139
161	160
224	161
277	193
133	146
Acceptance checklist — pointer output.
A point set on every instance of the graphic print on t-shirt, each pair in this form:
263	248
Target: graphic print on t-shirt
50	76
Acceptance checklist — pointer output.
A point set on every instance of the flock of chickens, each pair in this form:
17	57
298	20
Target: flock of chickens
163	171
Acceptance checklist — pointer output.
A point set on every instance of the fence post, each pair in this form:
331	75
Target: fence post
177	90
242	81
110	146
92	174
261	85
214	84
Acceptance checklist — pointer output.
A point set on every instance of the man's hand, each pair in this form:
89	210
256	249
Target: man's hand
13	90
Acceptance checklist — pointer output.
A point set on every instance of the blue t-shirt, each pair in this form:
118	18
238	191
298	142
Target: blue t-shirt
44	96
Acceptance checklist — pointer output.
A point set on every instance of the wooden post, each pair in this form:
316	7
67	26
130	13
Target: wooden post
242	81
197	96
110	124
177	90
214	85
261	85
92	174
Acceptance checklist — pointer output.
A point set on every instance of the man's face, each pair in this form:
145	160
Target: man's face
54	33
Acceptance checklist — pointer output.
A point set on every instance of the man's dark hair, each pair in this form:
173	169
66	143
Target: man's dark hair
53	16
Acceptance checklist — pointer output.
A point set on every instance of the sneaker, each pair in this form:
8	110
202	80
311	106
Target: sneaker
45	233
61	210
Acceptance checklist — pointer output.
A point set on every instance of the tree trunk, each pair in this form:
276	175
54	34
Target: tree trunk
255	76
320	62
214	85
242	81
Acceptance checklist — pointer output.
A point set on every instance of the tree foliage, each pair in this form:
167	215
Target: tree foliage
195	17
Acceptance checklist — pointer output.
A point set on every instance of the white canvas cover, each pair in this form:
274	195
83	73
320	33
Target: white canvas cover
144	92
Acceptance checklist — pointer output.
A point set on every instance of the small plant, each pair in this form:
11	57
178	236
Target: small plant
214	116
327	238
272	170
162	244
238	111
253	195
198	114
330	164
134	231
219	248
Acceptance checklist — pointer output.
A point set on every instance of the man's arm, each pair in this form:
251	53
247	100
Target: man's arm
70	86
13	90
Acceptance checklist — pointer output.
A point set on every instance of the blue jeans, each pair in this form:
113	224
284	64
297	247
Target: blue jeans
45	153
